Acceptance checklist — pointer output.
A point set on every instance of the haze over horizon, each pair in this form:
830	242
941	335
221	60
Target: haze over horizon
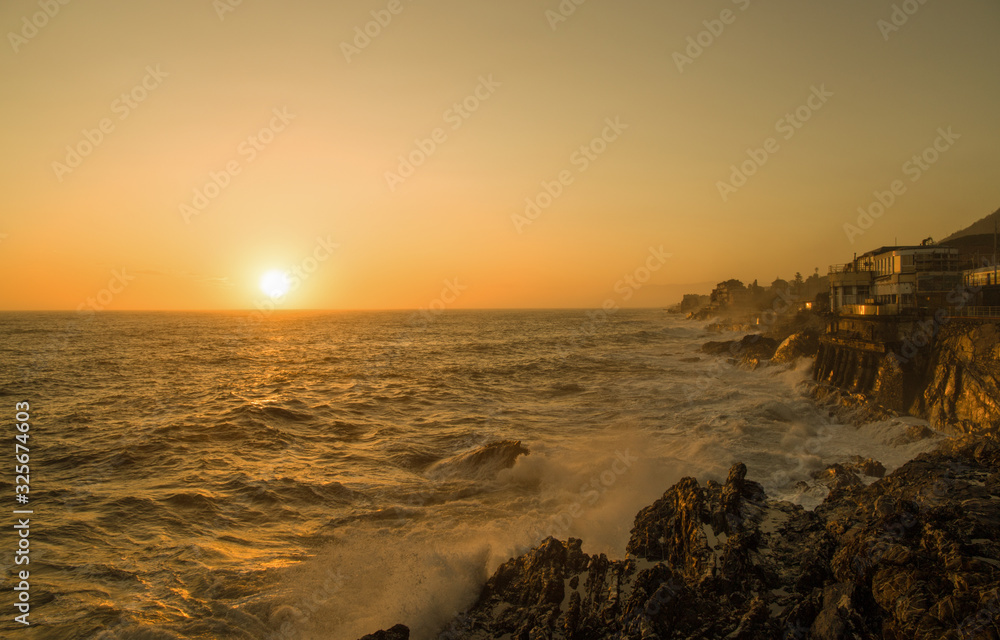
485	155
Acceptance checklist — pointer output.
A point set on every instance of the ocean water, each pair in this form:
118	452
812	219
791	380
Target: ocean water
323	475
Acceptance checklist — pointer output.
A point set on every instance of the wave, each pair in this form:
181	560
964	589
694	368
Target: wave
483	462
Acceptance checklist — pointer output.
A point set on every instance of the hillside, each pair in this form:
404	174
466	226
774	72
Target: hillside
984	226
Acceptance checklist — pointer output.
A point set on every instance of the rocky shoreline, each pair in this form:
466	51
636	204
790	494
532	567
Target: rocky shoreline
912	555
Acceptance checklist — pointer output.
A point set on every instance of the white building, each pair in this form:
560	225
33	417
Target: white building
894	280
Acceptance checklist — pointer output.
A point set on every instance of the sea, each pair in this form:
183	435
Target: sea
323	475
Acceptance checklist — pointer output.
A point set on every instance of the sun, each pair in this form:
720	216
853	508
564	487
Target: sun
275	283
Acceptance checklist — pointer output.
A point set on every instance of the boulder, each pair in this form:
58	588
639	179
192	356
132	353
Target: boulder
795	346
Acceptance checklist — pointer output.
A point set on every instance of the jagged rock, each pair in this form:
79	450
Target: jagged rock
867	466
913	556
844	478
841	481
398	632
795	346
711	561
961	386
748	351
946	373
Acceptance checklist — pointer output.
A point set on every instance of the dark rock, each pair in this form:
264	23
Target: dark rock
398	632
720	348
797	345
914	556
866	467
949	375
749	351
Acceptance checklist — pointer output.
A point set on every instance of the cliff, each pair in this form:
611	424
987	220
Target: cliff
945	373
913	556
959	389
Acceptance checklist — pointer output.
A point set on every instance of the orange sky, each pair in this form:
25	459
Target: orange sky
622	122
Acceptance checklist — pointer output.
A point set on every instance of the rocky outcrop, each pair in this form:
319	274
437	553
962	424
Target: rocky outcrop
960	389
946	373
399	632
754	349
804	344
912	556
749	351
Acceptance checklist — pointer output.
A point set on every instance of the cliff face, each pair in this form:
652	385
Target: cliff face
913	556
945	373
960	388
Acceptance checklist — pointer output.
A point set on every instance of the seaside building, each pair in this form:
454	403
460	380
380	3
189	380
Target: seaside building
730	292
895	280
984	282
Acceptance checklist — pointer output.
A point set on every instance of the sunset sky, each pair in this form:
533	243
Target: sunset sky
167	154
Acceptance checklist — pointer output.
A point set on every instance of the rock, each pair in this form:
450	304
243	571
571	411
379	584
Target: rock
839	618
950	378
398	632
915	555
866	467
795	346
960	390
750	351
703	562
720	348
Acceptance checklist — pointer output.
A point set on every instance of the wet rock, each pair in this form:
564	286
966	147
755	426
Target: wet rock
795	346
749	351
398	632
866	467
914	555
950	376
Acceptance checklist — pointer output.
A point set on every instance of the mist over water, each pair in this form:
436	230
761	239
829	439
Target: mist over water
324	475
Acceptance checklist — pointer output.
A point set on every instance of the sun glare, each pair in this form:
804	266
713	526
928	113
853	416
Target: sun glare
275	283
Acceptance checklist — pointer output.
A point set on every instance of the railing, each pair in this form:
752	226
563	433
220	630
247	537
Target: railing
975	312
856	343
869	309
